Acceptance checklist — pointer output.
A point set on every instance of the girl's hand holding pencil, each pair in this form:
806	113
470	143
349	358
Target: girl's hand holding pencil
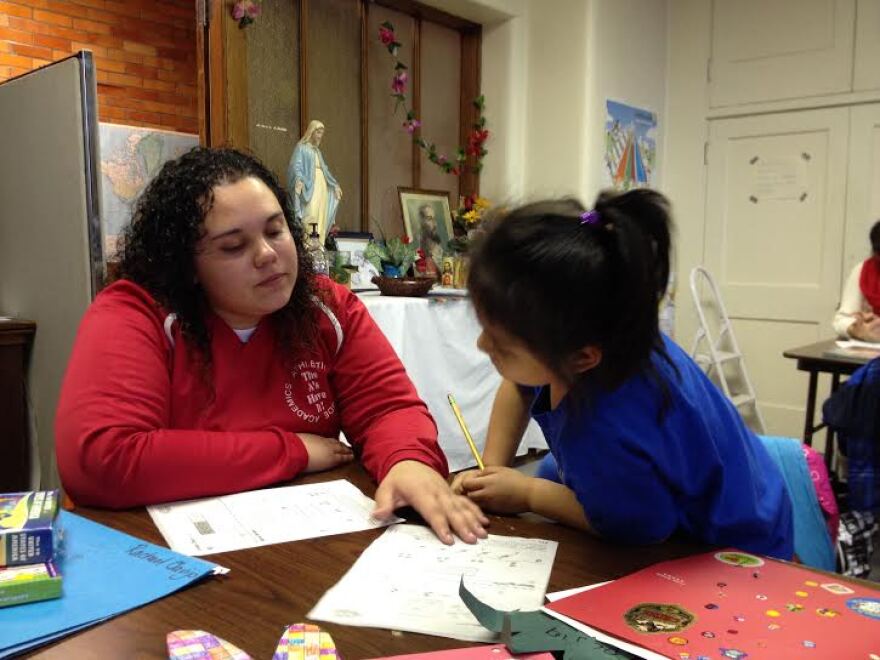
495	488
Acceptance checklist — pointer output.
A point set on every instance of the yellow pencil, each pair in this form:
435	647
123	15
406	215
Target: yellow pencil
464	429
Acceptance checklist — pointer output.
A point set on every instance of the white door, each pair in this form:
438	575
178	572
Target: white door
764	50
863	185
866	74
774	240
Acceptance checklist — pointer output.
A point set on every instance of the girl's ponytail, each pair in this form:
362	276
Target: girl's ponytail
641	220
560	278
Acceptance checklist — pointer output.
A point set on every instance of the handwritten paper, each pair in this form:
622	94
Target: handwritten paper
263	517
104	573
408	580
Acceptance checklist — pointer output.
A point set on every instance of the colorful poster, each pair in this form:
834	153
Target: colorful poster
630	146
731	604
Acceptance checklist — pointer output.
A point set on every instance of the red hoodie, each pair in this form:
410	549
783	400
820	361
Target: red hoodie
136	424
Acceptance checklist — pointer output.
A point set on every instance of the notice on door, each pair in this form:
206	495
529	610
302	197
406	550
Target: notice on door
778	178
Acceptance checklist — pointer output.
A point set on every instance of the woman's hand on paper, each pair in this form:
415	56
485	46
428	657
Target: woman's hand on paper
419	486
324	453
497	489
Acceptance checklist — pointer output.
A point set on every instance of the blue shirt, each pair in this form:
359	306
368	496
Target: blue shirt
697	470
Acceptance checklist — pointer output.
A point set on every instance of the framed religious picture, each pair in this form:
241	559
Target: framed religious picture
427	219
352	244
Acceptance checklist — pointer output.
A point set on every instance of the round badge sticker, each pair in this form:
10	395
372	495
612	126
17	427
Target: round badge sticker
739	559
658	617
869	607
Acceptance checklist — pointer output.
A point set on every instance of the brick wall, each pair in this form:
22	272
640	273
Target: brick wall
144	50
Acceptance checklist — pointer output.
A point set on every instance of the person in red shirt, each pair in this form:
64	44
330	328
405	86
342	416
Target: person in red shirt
219	362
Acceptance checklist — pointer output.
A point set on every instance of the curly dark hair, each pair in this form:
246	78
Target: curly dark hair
158	247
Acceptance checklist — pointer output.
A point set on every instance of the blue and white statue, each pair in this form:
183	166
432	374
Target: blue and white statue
314	190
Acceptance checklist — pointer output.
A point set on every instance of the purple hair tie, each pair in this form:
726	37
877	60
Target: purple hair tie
590	218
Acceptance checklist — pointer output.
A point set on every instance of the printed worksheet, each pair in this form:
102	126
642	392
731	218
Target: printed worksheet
408	580
263	517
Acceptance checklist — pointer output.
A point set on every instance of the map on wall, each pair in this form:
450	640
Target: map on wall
630	146
130	157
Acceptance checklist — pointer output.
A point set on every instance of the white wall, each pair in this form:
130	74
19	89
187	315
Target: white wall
689	29
627	63
547	69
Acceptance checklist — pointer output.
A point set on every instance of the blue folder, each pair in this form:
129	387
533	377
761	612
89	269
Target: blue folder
104	573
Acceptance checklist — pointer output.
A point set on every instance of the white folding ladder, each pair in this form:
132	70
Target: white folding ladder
713	353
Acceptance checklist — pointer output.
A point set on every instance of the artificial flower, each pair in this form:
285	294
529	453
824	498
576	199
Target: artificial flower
475	147
386	36
245	11
398	83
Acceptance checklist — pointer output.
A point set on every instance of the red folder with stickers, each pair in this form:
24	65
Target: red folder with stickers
731	604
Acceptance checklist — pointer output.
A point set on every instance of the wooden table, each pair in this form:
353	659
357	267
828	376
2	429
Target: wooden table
273	586
823	357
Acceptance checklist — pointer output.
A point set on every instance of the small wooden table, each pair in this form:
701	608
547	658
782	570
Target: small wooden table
273	586
823	357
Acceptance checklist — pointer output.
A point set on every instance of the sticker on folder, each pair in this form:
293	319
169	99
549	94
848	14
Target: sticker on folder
201	645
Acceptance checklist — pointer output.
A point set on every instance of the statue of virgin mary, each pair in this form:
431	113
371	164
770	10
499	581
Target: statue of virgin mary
315	192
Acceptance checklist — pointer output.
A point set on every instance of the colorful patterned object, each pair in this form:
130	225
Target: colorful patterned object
304	641
200	645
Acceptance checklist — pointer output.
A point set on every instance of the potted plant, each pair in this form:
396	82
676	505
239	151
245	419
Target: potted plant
394	259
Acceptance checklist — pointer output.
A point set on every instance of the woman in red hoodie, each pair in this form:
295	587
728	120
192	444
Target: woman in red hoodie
219	362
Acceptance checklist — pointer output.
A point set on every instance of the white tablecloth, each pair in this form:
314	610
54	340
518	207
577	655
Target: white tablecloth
436	339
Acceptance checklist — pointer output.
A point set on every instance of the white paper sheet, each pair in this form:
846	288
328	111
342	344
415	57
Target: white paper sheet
855	343
263	517
408	580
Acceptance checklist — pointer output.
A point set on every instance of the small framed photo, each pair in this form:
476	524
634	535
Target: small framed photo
427	219
354	243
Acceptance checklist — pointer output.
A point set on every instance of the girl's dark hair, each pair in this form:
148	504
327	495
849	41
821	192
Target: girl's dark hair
559	284
875	237
159	245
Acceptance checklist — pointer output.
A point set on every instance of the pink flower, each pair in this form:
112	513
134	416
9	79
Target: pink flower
244	11
441	159
386	36
411	125
398	84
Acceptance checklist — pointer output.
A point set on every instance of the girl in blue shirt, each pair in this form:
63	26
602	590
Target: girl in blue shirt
643	445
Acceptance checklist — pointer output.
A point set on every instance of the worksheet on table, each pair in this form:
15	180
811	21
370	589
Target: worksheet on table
408	580
263	517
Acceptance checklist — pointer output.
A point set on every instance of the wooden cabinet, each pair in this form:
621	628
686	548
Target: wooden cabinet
15	343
